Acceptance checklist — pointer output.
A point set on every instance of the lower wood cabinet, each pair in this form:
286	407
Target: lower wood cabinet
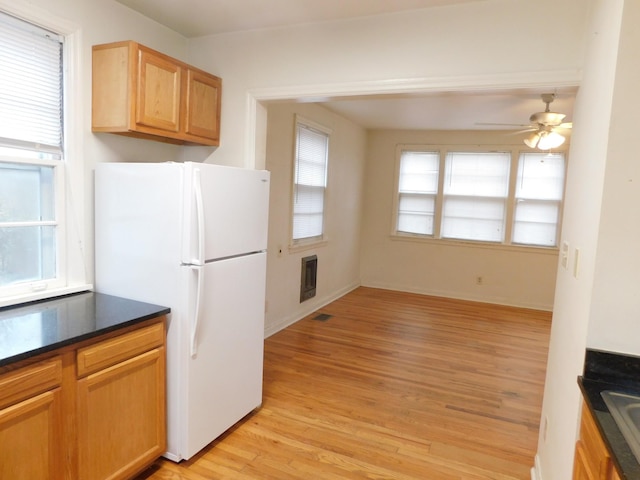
91	411
31	422
119	409
592	460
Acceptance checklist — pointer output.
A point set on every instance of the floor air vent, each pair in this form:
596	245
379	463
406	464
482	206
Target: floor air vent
322	317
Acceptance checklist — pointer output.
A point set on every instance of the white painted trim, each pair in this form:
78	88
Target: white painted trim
34	14
456	296
536	472
475	83
256	124
252	127
312	307
71	261
55	292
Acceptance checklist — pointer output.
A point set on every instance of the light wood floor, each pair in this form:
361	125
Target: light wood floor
393	386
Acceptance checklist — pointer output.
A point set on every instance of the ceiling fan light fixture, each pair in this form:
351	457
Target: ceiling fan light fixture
550	140
532	140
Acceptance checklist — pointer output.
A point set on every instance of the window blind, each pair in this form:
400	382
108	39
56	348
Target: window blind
31	112
30	86
476	186
310	178
539	192
417	190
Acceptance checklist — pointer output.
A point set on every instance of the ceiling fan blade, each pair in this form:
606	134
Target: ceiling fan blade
505	124
566	125
518	132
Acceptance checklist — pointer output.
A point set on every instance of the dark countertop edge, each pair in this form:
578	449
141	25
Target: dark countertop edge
623	458
77	339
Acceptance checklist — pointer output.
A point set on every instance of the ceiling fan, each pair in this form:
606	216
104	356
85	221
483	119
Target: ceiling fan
544	127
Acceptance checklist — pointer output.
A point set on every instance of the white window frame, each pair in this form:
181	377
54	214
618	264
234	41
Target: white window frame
72	274
304	243
471	199
436	197
555	202
515	152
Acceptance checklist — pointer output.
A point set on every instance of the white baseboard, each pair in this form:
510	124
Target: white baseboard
535	471
458	296
309	309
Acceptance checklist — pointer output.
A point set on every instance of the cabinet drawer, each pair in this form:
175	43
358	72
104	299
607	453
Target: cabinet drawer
109	352
29	381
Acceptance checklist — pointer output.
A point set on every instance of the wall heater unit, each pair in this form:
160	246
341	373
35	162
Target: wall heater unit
308	277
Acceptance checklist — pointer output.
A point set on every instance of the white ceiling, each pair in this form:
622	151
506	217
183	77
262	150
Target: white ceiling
452	111
195	18
440	111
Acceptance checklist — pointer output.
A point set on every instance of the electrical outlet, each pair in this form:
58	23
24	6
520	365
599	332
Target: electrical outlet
479	280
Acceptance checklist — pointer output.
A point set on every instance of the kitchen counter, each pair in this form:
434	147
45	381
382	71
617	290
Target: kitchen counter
31	329
620	373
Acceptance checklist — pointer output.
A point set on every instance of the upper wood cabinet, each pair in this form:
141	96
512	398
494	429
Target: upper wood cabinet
143	93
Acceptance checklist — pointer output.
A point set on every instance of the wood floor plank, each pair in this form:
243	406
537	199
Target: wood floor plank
393	385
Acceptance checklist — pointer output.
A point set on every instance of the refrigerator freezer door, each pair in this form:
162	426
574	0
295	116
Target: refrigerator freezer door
224	378
138	219
235	209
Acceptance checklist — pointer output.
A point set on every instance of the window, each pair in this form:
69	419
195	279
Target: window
476	186
417	190
310	181
33	241
502	197
538	198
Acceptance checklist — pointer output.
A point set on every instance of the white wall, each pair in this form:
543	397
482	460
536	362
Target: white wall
339	257
95	22
487	44
491	44
511	275
393	50
582	221
615	304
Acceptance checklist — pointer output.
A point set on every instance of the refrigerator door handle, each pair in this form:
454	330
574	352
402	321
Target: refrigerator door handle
197	190
196	314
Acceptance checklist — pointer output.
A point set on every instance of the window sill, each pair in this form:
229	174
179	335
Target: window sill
471	244
311	244
34	296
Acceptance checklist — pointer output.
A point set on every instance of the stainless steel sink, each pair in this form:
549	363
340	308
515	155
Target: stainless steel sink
625	410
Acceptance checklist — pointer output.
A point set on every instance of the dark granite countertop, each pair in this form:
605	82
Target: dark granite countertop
31	329
620	373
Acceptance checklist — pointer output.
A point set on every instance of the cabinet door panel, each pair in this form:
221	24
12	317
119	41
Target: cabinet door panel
158	92
110	403
30	435
203	105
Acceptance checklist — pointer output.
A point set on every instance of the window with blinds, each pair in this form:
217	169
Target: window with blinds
475	192
417	191
538	198
310	181
31	154
502	197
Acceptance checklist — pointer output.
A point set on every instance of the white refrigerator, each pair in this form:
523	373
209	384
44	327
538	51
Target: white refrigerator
191	237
